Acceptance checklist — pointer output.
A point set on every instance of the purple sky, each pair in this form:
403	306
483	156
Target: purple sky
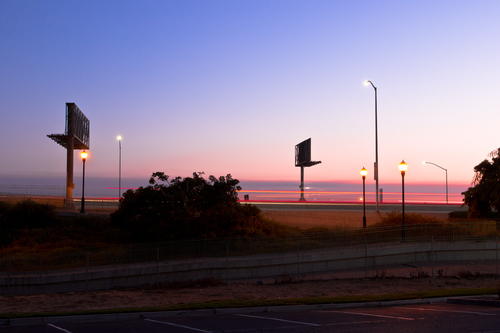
232	87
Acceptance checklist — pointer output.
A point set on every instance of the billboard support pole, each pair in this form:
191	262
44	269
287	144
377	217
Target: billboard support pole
68	203
76	136
303	159
302	184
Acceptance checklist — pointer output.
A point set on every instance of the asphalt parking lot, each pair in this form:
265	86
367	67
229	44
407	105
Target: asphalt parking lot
436	317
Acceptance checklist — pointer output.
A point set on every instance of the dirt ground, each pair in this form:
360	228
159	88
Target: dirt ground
116	299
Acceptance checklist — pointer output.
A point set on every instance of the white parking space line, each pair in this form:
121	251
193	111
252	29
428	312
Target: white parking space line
176	325
355	322
253	329
276	319
323	325
59	328
372	315
437	310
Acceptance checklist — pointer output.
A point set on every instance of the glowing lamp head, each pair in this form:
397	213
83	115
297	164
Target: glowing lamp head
364	172
403	166
84	155
119	138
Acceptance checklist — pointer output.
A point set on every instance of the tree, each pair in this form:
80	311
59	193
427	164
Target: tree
485	192
192	207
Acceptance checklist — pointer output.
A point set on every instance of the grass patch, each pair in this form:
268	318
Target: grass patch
238	303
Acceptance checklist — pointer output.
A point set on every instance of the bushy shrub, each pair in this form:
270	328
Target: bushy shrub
458	215
29	226
23	215
29	214
466	215
484	195
192	207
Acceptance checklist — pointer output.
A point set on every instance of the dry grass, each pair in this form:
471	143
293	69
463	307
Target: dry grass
329	219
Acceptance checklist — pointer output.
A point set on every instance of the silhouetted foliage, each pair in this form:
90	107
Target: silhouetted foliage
192	207
33	226
485	192
23	215
458	215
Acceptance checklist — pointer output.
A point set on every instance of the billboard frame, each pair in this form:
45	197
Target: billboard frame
76	136
302	160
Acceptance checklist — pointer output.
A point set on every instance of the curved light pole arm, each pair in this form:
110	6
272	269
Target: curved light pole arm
370	82
436	165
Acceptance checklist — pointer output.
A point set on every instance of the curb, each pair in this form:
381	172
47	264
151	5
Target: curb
475	300
208	312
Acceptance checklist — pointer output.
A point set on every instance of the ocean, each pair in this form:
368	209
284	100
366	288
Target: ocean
107	187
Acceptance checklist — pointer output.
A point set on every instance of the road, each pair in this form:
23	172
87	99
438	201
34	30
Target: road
385	208
438	317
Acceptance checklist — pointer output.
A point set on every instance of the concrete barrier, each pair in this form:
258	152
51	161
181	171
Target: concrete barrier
246	267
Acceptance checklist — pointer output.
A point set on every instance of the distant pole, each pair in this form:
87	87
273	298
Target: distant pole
446	171
119	167
403	167
364	172
375	172
84	156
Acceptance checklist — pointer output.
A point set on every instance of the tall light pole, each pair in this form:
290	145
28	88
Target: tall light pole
402	167
119	138
364	172
375	171
446	170
84	156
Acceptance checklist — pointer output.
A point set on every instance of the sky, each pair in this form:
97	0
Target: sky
225	87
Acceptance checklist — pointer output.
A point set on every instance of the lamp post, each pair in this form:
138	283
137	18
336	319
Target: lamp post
84	156
375	171
446	170
119	138
402	167
364	172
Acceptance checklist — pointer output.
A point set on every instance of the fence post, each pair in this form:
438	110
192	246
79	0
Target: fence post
227	262
432	255
298	270
87	273
366	257
157	267
130	254
8	285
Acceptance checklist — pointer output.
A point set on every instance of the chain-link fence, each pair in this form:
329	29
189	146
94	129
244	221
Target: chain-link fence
313	242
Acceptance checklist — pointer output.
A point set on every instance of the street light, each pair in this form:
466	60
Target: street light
119	138
446	170
375	171
402	167
364	172
84	156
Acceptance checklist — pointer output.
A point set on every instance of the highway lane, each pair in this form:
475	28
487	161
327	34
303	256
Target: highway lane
384	208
